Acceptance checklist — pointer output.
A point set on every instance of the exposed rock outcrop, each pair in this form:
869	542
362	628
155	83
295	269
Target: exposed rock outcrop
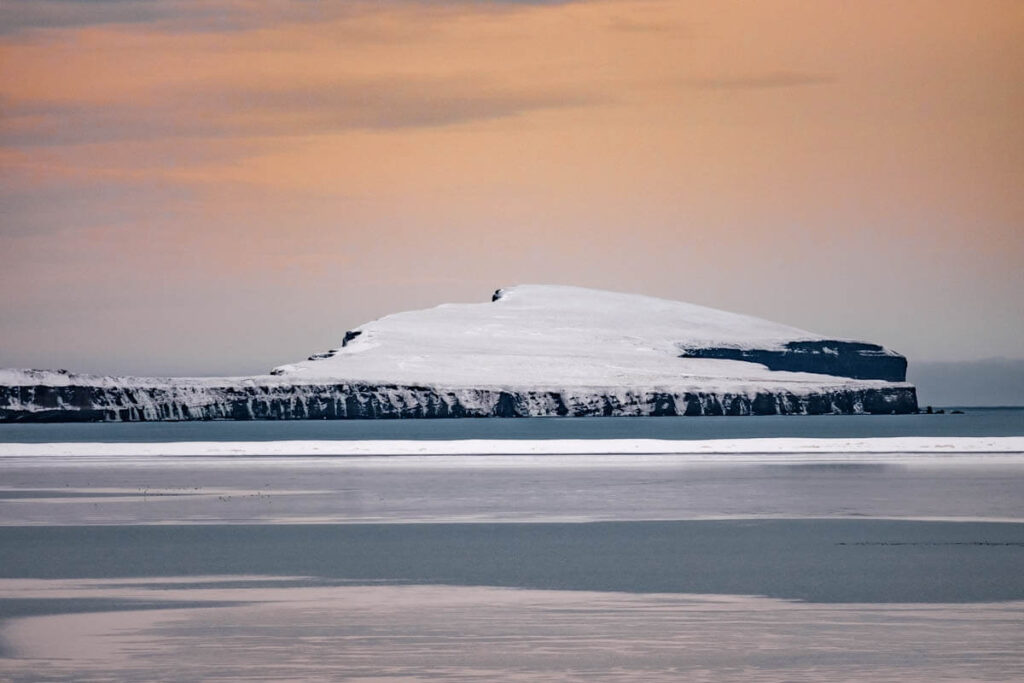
826	357
84	401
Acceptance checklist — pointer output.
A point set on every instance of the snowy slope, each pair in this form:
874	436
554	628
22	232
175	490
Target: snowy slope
542	336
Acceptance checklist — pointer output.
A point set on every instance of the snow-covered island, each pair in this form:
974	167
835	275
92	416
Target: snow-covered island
532	351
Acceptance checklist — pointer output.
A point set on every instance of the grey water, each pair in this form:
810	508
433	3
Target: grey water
486	568
823	561
1005	421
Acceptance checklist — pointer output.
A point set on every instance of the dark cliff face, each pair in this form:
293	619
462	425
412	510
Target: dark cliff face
857	360
43	403
85	398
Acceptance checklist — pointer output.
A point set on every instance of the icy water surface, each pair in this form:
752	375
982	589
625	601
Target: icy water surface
160	490
874	567
422	633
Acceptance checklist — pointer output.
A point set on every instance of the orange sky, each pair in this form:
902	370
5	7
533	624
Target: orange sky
222	186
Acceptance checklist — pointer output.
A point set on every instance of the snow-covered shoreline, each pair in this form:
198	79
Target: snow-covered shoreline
800	448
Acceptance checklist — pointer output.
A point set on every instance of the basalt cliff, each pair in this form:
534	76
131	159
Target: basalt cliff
532	351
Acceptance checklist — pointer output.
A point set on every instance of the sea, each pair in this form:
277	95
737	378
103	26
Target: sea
869	566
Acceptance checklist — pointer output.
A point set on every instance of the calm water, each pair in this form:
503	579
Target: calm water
489	568
974	422
461	633
237	490
826	561
763	600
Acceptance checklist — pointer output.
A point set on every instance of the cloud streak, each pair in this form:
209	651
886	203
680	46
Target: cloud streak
322	108
763	81
20	16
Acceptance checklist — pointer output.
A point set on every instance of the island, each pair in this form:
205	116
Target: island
532	351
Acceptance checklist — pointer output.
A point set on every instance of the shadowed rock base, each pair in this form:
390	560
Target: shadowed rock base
858	360
193	401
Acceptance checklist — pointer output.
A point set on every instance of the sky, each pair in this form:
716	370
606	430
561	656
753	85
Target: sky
218	187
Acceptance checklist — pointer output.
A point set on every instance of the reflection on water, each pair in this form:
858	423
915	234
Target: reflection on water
465	633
